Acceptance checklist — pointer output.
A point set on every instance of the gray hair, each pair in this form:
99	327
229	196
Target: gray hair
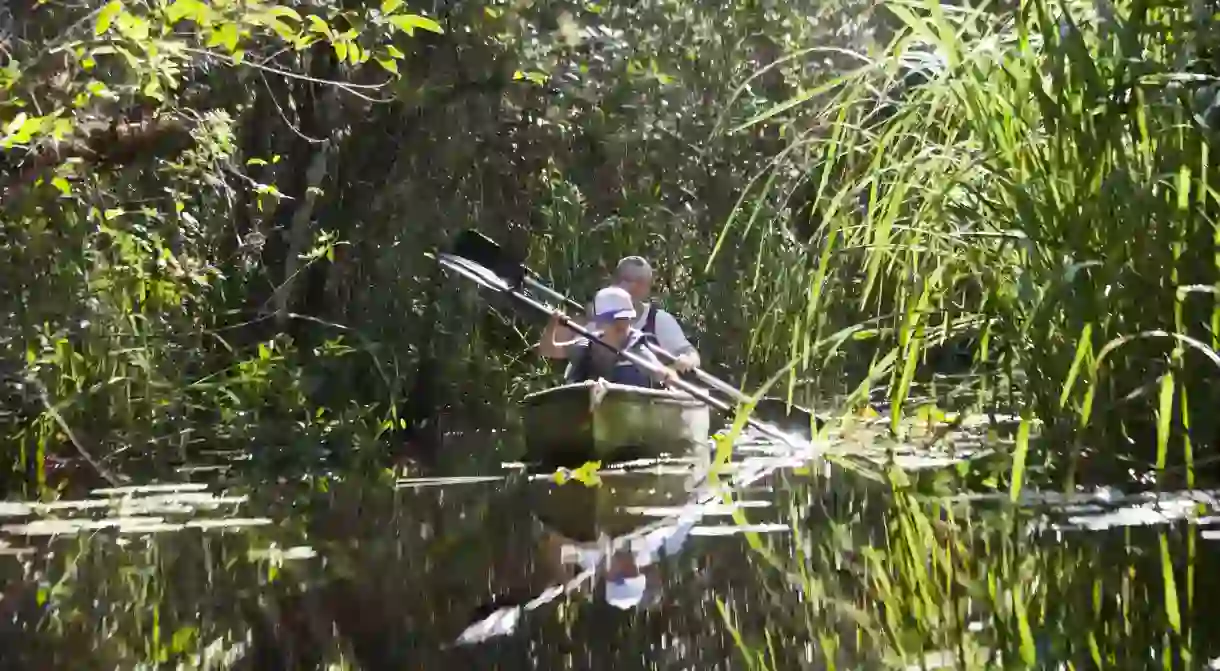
631	266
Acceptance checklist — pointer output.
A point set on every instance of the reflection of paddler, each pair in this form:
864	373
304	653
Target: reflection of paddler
628	565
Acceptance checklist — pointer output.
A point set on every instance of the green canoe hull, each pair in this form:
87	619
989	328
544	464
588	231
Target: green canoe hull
587	421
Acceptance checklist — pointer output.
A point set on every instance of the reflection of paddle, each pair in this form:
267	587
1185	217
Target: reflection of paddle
478	248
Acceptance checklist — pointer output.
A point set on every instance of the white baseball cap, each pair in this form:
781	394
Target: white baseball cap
625	593
613	303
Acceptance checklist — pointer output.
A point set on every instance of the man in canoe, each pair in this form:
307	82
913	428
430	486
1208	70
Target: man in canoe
613	313
634	274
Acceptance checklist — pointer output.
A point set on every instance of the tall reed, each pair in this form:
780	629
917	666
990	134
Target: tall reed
1035	183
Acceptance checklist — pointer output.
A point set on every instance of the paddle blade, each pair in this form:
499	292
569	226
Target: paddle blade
473	271
474	246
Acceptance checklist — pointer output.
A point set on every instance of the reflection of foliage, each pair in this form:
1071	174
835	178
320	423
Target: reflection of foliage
586	474
904	580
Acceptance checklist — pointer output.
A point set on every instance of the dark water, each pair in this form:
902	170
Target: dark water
655	567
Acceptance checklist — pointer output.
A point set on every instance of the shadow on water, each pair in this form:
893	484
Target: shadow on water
655	567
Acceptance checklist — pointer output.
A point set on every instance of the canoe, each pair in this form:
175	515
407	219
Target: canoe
599	421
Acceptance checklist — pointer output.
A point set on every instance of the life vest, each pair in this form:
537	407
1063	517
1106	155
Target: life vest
650	323
622	372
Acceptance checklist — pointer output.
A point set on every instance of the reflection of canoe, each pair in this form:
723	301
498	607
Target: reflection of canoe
582	513
586	421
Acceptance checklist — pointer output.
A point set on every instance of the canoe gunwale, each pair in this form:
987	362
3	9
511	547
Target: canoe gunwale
676	397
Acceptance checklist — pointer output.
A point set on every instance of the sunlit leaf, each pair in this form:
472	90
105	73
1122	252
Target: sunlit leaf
16	123
1172	611
229	35
285	13
192	9
389	64
388	6
106	16
1020	452
317	24
408	23
62	184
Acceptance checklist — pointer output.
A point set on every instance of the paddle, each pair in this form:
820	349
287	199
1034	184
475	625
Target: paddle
491	280
474	246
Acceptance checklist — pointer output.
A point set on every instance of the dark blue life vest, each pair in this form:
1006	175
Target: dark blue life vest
622	372
650	322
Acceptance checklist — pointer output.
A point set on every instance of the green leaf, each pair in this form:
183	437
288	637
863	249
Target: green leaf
1172	612
61	128
1029	652
393	51
389	64
1020	451
153	90
63	186
285	12
318	25
181	9
407	23
340	51
133	28
107	16
388	6
256	161
285	31
229	34
182	639
17	122
533	77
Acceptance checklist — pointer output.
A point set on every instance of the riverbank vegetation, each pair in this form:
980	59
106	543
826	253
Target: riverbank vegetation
1043	193
210	211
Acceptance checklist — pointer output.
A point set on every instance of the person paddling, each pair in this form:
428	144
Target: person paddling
634	275
613	314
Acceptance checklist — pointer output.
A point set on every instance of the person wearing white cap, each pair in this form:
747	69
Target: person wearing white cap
613	314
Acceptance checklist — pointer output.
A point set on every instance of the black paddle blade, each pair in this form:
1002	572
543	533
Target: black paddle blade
474	246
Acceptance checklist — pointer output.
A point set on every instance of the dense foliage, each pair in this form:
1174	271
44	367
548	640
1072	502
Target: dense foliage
215	220
216	215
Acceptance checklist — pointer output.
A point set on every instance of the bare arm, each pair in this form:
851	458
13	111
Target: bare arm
556	338
561	336
671	338
656	369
